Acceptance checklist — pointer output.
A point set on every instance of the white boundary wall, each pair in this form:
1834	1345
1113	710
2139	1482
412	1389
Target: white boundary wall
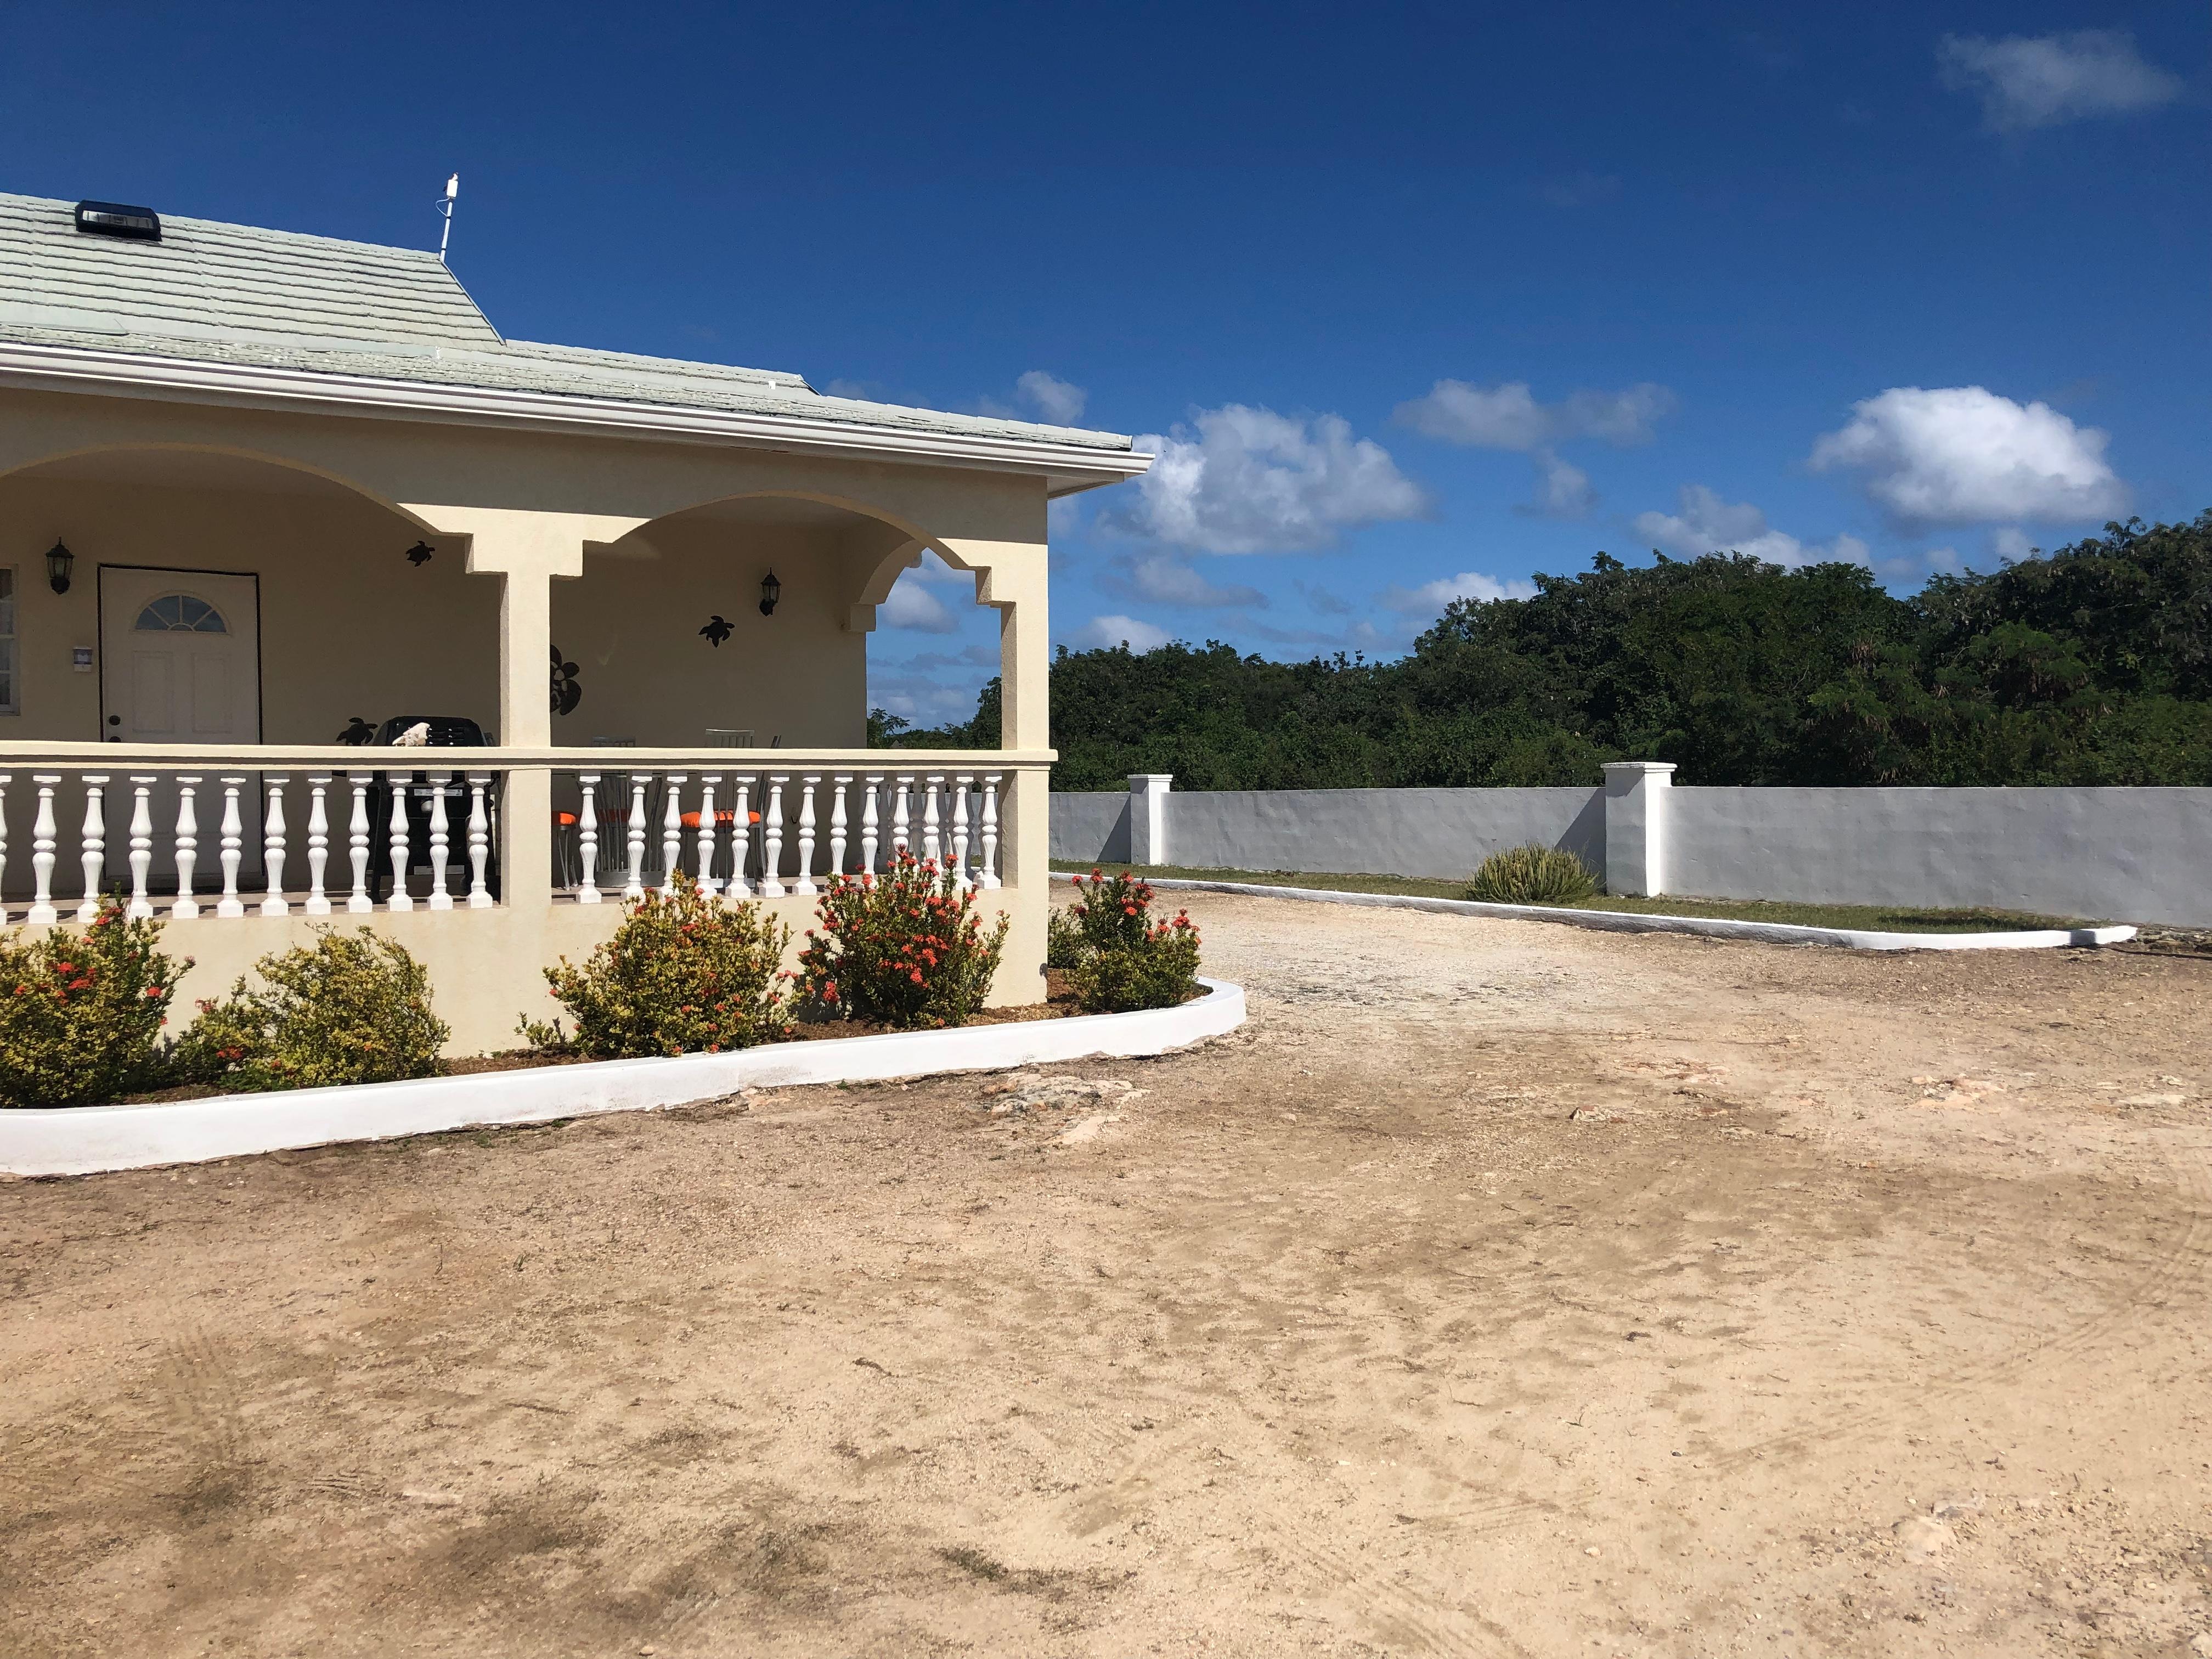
2121	854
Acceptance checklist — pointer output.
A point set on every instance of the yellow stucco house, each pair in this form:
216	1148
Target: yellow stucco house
268	501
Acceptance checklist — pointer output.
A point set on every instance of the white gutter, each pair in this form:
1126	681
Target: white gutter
1067	467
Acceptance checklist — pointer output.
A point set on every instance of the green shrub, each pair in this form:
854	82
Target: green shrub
1128	962
905	948
349	1008
82	1014
1533	875
685	973
1064	943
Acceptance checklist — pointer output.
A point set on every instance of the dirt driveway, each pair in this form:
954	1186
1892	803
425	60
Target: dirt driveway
1499	1289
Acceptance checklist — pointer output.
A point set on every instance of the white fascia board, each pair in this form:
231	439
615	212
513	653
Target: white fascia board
1067	468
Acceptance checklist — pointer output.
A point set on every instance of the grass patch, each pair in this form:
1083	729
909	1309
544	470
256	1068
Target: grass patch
1882	918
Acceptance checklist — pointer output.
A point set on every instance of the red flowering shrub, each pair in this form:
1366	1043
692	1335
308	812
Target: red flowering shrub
904	948
1126	960
81	1014
684	973
349	1008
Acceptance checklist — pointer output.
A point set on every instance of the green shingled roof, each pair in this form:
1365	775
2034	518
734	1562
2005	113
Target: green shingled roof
214	292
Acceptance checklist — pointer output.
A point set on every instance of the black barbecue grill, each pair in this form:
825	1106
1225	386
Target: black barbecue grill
417	791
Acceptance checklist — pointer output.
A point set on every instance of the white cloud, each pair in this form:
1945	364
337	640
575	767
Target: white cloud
1707	524
1054	398
911	606
1165	580
1110	631
1243	480
932	569
1964	455
2011	544
1508	416
2042	80
1430	598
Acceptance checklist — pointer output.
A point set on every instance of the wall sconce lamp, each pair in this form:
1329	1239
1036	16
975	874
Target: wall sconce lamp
771	590
60	563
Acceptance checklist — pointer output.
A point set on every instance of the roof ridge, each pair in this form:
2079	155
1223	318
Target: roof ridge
179	220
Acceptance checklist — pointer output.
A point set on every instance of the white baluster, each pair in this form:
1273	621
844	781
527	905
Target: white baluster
933	842
142	846
479	842
868	825
5	780
988	875
439	898
772	840
741	838
806	788
837	788
634	880
401	898
188	848
898	817
357	834
92	852
708	881
588	837
272	851
318	844
42	851
961	787
671	832
233	849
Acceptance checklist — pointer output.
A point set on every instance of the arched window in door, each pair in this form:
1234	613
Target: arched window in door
180	613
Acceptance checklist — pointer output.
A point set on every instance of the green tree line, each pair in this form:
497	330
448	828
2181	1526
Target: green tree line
2090	665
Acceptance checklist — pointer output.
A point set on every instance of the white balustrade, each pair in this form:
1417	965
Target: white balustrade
932	848
741	838
771	884
93	844
837	788
898	817
588	838
805	882
318	844
5	780
671	832
233	849
188	848
961	785
272	851
401	898
708	881
988	877
480	897
142	846
357	834
633	878
869	826
42	851
439	898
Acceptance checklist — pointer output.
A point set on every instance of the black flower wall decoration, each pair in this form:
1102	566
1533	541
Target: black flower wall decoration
567	693
715	631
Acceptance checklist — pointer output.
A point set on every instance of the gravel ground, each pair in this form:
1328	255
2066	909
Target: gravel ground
1499	1289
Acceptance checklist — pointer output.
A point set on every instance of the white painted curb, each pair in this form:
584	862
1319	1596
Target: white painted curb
88	1139
1627	921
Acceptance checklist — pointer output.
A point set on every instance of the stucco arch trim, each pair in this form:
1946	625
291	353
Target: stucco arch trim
13	468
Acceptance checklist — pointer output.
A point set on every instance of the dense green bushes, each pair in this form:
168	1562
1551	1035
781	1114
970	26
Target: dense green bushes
1534	874
2091	664
349	1008
81	1014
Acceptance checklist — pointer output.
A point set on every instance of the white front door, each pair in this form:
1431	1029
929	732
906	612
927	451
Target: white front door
181	663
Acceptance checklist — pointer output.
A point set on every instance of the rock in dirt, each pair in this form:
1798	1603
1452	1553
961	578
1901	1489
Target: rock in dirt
1020	1093
1923	1539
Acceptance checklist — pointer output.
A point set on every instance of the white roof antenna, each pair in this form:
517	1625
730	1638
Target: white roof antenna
446	212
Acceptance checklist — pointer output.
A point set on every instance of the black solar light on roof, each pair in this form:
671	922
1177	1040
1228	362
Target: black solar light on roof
114	219
771	590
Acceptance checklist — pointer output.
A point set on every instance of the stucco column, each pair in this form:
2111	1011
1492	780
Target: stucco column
528	550
1012	580
1637	797
1148	817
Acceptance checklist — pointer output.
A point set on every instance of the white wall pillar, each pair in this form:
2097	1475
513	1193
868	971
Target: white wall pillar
1636	796
1148	817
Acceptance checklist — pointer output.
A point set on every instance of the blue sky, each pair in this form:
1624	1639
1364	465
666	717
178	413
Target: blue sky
1415	301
